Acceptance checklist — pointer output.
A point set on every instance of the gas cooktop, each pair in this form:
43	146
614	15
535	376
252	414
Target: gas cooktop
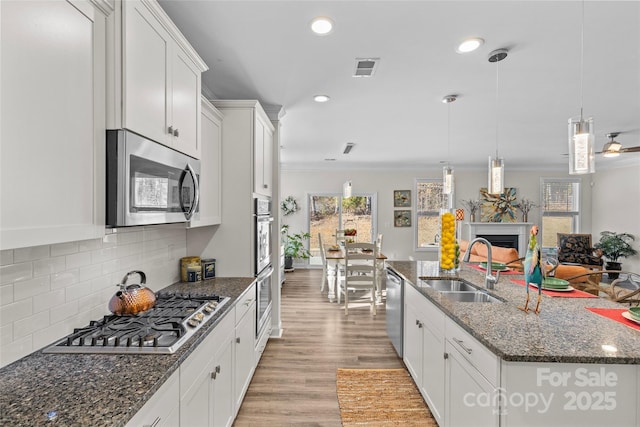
159	330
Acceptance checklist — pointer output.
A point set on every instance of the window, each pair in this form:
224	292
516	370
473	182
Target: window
429	201
331	212
560	208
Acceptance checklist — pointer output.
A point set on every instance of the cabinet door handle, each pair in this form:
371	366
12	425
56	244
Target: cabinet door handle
218	369
446	355
464	347
419	323
238	340
214	374
265	186
176	133
170	130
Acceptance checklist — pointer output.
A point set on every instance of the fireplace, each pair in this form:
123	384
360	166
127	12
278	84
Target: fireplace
502	240
505	234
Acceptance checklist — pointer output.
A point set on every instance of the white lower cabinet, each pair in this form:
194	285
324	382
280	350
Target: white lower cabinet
424	349
245	356
206	380
162	410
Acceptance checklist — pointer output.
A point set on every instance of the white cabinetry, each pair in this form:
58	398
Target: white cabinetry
247	127
162	410
211	167
156	78
472	377
206	379
53	122
245	356
424	349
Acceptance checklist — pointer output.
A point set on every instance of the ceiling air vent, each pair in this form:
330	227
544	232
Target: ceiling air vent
348	147
365	67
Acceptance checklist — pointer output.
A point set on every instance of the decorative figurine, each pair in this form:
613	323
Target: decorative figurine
533	271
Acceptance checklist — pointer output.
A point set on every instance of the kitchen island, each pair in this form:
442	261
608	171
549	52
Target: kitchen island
490	363
101	389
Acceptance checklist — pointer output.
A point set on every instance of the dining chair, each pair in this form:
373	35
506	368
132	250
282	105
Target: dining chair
360	272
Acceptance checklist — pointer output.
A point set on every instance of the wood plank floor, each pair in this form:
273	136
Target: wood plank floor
295	381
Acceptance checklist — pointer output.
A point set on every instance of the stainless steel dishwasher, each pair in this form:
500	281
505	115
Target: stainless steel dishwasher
394	309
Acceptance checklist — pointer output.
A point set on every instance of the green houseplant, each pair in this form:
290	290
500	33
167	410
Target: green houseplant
615	246
294	246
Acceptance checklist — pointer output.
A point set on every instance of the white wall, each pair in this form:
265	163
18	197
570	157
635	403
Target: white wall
46	291
399	243
616	207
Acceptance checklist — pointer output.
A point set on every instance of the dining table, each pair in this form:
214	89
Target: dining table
335	257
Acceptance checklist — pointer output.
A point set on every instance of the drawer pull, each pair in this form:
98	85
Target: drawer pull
238	340
464	347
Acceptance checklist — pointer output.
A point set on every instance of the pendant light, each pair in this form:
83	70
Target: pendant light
495	183
581	158
447	172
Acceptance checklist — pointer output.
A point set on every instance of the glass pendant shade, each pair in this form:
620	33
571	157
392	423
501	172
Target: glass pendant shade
496	176
581	157
447	180
346	189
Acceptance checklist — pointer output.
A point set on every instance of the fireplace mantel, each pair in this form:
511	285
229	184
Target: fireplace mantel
472	229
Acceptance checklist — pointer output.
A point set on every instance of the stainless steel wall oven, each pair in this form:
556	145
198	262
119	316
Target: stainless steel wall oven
263	267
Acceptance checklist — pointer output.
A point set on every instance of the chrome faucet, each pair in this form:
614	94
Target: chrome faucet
489	280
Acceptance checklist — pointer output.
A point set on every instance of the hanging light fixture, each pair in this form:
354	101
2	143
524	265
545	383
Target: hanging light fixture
346	189
581	157
496	166
447	172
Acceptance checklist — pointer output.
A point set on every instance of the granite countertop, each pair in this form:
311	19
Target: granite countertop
99	389
564	331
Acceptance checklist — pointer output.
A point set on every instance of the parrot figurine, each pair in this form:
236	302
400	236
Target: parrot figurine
533	271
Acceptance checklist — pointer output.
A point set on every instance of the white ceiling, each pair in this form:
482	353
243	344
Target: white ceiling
265	50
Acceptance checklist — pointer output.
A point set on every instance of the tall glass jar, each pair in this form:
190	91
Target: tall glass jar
448	244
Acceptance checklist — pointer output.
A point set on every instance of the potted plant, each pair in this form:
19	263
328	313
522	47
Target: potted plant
294	247
615	246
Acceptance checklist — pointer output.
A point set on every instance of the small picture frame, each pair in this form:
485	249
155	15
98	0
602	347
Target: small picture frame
402	198
402	218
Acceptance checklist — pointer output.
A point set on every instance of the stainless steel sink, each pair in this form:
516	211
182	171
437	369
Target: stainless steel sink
477	296
445	285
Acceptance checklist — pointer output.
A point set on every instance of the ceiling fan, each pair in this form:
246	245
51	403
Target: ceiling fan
613	148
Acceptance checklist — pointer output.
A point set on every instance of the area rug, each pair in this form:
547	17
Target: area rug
380	397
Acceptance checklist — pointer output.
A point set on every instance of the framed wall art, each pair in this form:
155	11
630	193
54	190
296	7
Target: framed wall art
402	218
498	207
401	198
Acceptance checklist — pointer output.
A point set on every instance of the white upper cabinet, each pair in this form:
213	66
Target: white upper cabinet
210	167
53	121
156	78
249	134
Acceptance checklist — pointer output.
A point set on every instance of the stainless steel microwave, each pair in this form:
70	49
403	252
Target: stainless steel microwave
148	183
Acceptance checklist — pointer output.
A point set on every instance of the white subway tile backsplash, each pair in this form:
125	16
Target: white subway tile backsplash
64	248
15	311
48	266
48	300
79	259
28	288
47	291
89	245
64	311
29	325
90	272
65	279
18	348
30	254
14	272
103	255
6	294
6	257
6	334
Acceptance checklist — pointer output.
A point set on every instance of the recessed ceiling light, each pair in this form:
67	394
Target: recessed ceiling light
469	45
321	98
322	25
